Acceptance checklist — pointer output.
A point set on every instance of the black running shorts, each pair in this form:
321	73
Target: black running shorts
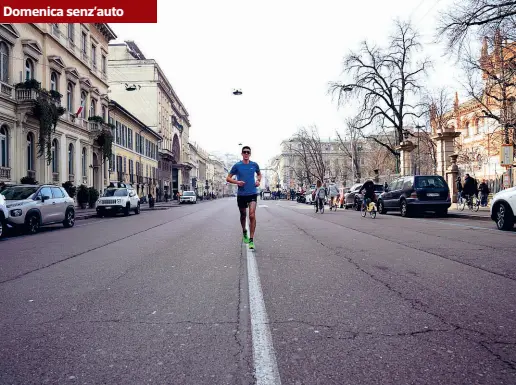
244	200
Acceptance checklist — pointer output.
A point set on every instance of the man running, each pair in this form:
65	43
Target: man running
247	194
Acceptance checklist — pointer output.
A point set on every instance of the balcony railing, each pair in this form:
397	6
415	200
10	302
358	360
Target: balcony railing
55	177
5	173
71	177
94	126
6	89
23	95
31	174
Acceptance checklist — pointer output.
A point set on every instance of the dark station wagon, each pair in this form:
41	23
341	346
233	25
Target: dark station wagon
414	195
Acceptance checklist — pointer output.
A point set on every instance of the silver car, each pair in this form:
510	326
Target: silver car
32	206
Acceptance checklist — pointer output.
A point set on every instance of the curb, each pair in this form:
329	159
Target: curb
470	216
94	215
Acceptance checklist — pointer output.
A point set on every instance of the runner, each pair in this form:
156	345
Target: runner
247	194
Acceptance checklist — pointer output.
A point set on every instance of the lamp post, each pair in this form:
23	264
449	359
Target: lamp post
418	153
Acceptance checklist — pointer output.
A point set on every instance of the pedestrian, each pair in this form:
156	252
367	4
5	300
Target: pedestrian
484	193
247	194
469	190
320	196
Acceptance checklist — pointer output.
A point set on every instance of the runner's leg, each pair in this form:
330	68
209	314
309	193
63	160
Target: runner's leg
252	217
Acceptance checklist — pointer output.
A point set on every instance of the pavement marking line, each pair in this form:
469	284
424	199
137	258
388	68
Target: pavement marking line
264	357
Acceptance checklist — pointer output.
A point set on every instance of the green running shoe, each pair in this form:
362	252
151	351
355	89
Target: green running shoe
251	245
246	238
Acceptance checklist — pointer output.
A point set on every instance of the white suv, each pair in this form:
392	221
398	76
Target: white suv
32	206
503	209
188	197
121	199
3	215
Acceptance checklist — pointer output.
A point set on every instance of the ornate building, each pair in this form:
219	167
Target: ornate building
53	73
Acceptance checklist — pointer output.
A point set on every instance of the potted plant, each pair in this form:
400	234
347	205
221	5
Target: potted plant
28	180
96	119
83	196
70	189
93	196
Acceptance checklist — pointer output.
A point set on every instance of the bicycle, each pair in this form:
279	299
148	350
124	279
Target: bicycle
371	209
321	207
471	201
333	204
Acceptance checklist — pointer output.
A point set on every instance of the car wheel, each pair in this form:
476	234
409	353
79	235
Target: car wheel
2	227
127	209
404	209
137	209
504	217
381	208
32	224
356	206
69	218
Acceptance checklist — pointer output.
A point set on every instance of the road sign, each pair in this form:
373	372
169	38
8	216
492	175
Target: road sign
506	155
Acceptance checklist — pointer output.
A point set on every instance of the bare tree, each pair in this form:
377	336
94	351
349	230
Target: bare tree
478	17
309	151
349	146
387	80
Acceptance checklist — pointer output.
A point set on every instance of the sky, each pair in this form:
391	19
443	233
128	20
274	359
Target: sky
281	54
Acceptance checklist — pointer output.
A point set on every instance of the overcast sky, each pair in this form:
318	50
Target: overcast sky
281	54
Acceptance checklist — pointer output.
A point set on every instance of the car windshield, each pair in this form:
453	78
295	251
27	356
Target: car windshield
18	193
115	192
430	182
189	194
378	188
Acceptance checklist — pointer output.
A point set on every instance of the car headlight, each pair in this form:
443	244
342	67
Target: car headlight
16	213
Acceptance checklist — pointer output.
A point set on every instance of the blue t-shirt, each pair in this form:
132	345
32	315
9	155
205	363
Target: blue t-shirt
246	173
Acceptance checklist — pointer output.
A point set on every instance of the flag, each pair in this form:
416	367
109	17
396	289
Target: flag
80	108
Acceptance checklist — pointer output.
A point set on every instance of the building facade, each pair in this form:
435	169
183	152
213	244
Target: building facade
57	68
140	85
135	153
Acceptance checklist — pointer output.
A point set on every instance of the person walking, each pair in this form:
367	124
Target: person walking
247	194
484	192
459	189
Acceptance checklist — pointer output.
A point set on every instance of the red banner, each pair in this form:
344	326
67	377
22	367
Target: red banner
93	11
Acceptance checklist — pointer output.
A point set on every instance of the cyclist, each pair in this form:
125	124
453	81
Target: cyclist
320	196
369	195
333	193
469	189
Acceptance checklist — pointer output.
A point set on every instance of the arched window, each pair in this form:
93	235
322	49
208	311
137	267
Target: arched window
4	62
83	161
53	82
93	104
55	156
70	159
69	97
29	69
30	151
4	146
83	104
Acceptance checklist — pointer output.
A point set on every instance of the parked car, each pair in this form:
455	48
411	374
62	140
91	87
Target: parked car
503	209
3	215
416	194
188	197
115	200
33	206
349	198
378	190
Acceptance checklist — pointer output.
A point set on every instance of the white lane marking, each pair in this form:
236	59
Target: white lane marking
265	365
263	206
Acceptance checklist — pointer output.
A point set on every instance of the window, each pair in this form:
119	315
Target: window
30	151
55	29
69	97
117	136
53	82
93	105
57	193
4	146
83	104
130	138
84	43
125	165
45	192
4	62
94	56
55	155
103	64
103	113
131	170
408	184
430	182
83	161
70	159
29	69
71	32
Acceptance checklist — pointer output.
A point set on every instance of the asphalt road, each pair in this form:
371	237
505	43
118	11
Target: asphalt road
163	298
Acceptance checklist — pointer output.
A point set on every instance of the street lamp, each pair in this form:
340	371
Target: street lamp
237	92
418	153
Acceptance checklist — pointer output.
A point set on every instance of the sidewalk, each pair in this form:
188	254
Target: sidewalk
483	214
91	213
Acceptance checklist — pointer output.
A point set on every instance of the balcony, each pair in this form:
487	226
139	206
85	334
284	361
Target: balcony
26	95
5	173
55	177
71	177
6	90
94	126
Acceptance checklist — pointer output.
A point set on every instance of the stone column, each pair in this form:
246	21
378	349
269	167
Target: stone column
78	163
451	177
406	163
63	161
445	149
